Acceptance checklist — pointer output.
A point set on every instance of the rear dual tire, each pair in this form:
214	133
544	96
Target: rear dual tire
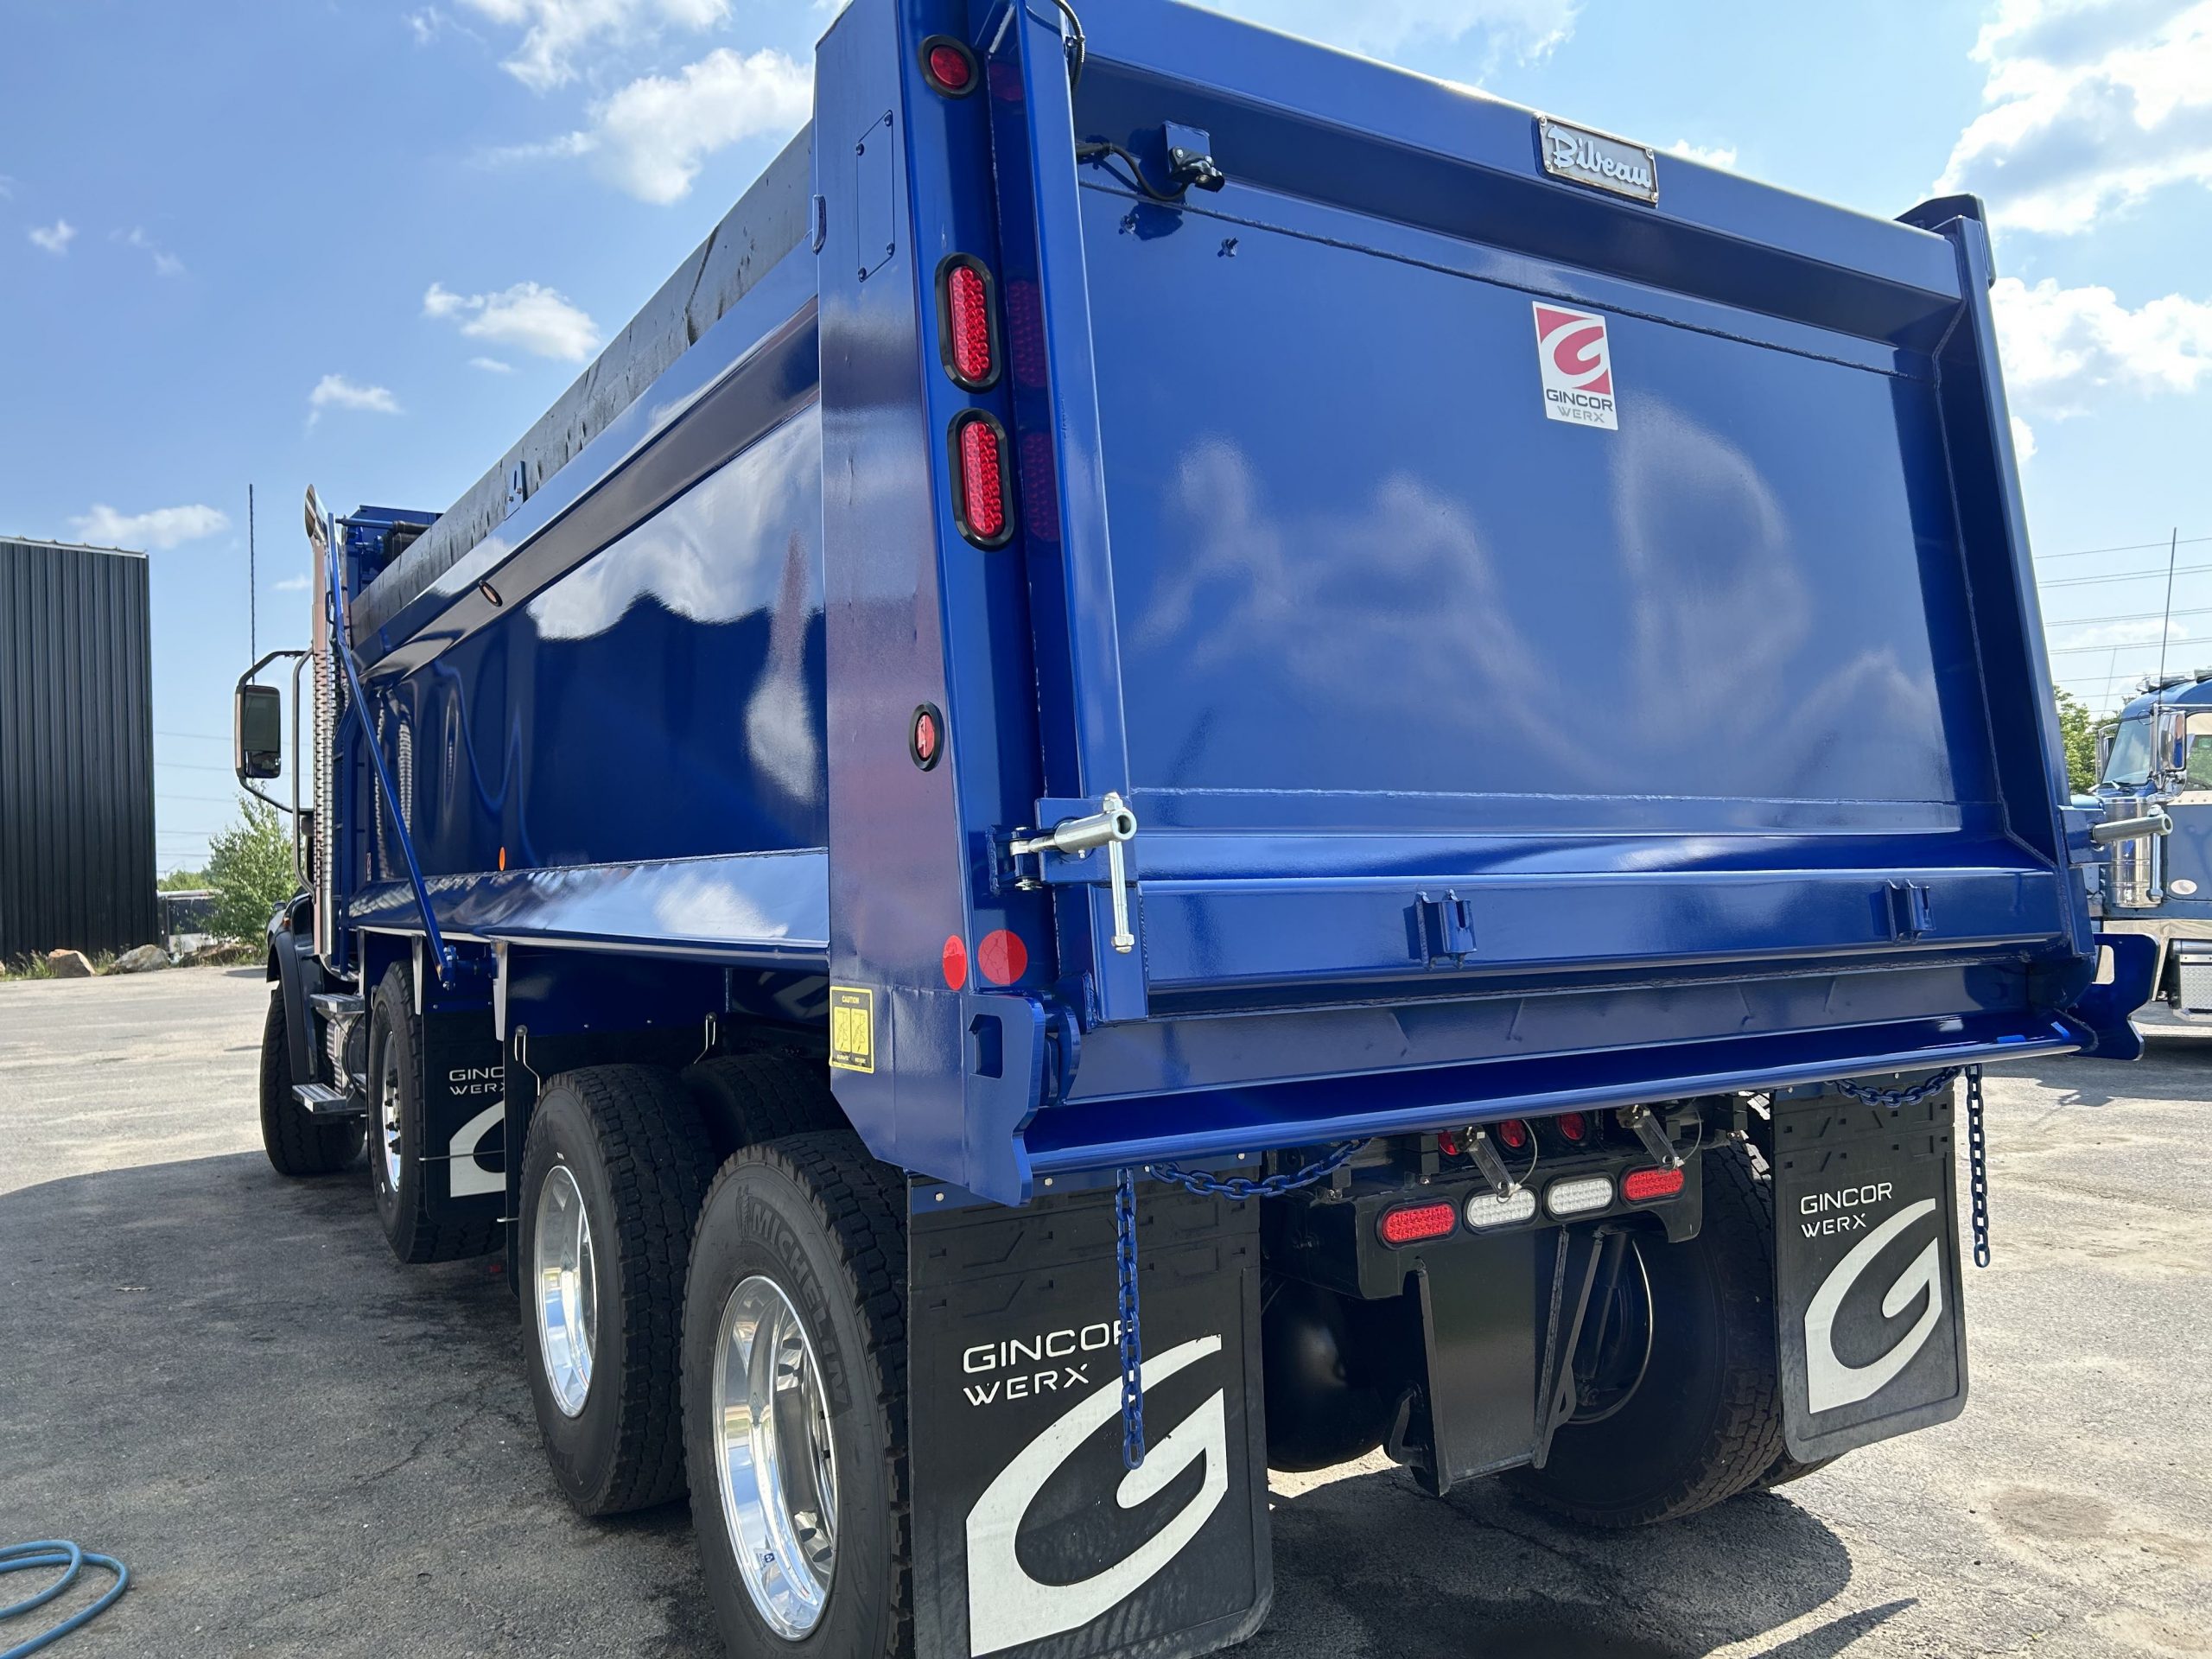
1705	1421
398	1172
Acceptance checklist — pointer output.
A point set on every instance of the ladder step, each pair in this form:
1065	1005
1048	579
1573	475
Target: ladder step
321	1100
336	1005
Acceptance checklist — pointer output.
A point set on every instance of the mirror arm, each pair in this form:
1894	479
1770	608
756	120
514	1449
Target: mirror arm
246	679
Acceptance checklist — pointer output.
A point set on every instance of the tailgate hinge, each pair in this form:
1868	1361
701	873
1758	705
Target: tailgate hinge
1446	928
1909	912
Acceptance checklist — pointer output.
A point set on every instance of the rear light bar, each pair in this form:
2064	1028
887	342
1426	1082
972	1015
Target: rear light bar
1412	1224
1643	1185
982	491
967	319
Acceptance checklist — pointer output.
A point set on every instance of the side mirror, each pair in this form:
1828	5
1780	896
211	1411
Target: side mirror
2104	749
258	733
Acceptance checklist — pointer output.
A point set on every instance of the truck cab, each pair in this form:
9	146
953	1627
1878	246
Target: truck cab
2158	758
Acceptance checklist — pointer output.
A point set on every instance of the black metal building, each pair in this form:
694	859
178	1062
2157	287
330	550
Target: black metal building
76	749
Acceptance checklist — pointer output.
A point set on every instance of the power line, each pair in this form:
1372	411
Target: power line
2132	547
2125	575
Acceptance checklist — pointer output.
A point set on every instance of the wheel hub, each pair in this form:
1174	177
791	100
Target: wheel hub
388	1112
774	1458
564	1272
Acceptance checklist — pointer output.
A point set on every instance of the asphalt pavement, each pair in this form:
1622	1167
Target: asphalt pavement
301	1447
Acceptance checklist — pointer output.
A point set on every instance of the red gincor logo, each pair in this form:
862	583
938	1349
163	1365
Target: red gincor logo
1575	360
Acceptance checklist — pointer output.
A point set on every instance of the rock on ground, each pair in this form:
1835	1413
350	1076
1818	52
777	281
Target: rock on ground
144	959
68	964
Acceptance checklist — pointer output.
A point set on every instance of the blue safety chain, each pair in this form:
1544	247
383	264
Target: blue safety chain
1202	1184
1893	1098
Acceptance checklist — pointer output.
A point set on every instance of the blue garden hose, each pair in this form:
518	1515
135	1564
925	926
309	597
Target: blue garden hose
56	1552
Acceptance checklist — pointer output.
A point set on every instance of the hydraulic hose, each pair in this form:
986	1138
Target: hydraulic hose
70	1559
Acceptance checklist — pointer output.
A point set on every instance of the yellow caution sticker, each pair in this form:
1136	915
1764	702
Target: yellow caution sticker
852	1029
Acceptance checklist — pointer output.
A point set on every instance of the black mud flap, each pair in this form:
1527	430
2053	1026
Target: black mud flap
1867	1254
464	1116
1031	1539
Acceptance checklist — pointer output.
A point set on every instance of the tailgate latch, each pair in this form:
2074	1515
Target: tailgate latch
1109	826
1447	927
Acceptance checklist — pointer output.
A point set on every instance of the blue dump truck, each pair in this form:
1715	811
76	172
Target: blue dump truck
972	857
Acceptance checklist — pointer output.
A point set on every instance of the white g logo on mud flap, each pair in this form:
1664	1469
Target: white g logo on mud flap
1005	1606
1828	1382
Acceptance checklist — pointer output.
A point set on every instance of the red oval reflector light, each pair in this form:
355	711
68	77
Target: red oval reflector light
949	68
1642	1186
1409	1224
1513	1135
1571	1126
981	452
969	343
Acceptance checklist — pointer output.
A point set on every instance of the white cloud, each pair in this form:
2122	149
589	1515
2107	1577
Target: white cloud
528	317
491	366
2092	105
1524	28
651	138
165	262
293	584
336	391
2144	630
2024	441
1712	156
162	528
54	238
557	33
2054	338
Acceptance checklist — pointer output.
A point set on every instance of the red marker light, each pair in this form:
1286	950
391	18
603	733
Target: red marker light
969	330
1571	1126
949	66
1447	1143
979	451
1642	1186
1513	1135
1409	1224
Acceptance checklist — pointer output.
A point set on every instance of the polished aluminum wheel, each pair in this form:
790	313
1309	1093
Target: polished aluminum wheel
773	1458
388	1110
564	1272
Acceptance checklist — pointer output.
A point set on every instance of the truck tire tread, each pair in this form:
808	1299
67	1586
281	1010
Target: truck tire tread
861	1205
658	1164
297	1146
746	1099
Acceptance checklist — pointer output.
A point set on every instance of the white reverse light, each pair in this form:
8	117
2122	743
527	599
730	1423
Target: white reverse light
1579	1196
1488	1209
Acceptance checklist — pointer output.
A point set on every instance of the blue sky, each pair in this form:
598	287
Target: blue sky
365	242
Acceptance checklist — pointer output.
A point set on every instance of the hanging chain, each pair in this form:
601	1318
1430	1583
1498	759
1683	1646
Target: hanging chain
1977	1167
1201	1185
1125	1253
1894	1098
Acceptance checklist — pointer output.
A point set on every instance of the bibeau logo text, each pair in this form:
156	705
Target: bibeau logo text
1577	365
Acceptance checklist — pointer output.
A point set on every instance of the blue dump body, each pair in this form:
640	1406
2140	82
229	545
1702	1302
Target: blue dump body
1559	648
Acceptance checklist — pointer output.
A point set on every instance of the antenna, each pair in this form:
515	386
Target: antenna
2165	628
253	587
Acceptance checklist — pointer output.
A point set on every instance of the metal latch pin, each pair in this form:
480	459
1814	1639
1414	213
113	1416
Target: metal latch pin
1075	837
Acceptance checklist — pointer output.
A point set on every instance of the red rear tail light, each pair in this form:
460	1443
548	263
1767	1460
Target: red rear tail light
949	66
1571	1126
967	335
1642	1186
983	502
1409	1224
1513	1135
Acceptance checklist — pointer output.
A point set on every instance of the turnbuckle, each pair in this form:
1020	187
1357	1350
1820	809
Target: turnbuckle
1075	837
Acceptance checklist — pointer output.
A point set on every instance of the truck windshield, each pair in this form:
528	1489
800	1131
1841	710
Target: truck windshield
2130	760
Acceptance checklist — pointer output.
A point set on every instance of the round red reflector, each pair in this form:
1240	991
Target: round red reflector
950	68
956	961
1642	1186
1002	958
1409	1224
1571	1126
1513	1135
967	325
982	480
1447	1143
925	735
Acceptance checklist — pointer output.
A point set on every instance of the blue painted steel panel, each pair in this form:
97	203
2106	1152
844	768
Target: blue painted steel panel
1706	726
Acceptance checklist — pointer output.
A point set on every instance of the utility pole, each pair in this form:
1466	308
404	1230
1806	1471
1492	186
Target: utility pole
252	587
